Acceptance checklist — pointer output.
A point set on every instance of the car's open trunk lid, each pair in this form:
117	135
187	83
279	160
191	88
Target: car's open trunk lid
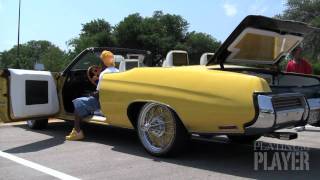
260	40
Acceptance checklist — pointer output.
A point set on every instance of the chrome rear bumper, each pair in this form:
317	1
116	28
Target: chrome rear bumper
276	111
314	116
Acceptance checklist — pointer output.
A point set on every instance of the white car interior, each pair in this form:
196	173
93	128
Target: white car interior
32	93
205	57
176	58
140	57
128	64
118	59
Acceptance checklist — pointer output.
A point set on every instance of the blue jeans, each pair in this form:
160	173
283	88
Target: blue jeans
85	106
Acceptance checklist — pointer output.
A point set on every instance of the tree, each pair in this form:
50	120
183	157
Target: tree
158	34
35	52
198	43
96	33
307	11
8	59
54	59
128	31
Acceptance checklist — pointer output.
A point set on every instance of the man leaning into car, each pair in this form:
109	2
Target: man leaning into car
299	65
85	106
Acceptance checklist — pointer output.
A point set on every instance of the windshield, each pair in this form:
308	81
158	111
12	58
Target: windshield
86	61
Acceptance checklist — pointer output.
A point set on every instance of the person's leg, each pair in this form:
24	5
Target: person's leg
83	106
77	121
80	111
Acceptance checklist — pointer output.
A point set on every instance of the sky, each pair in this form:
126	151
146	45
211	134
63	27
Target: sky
60	20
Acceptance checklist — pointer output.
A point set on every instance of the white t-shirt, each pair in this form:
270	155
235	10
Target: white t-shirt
107	70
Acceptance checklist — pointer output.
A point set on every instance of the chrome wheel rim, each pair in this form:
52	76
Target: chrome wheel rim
156	128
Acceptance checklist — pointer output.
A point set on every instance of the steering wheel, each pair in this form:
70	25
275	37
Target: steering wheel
93	73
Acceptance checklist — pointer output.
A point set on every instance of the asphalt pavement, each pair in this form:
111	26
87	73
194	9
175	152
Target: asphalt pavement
112	153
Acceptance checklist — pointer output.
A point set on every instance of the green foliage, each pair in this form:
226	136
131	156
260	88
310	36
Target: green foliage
162	33
158	33
34	52
316	68
95	27
307	11
54	59
128	30
198	43
96	33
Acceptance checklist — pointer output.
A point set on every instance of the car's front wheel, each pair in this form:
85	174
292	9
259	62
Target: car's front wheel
160	130
38	124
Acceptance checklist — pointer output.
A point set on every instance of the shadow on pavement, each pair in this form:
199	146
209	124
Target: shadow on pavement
312	130
221	156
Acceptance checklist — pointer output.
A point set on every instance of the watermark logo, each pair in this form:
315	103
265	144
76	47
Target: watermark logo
280	157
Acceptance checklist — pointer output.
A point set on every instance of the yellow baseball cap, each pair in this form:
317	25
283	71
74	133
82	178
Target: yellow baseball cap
105	54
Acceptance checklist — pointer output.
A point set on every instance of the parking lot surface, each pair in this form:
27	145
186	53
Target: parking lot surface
112	153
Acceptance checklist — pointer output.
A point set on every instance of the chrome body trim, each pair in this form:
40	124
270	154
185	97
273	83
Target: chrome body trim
290	115
266	117
269	117
314	104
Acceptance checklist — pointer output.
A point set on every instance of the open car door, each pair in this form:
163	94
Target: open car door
27	94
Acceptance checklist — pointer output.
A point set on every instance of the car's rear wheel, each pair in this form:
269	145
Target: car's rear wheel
245	139
160	130
38	124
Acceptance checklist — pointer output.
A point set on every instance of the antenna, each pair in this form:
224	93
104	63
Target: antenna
18	45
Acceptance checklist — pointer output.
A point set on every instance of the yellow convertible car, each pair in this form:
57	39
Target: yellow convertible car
165	105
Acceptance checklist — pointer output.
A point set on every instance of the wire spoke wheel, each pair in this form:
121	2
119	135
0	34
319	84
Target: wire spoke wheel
156	128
